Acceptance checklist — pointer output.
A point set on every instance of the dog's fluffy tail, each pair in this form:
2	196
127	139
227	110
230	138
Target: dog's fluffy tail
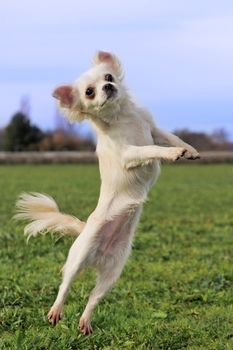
44	215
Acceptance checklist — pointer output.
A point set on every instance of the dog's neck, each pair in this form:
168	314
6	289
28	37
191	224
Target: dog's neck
114	117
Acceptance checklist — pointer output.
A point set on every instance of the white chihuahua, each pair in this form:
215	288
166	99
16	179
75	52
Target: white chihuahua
129	161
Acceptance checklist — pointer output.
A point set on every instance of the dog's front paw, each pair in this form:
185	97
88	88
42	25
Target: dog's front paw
54	315
191	154
85	326
176	153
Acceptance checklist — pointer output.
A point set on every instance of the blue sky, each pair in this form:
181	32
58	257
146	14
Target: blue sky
178	55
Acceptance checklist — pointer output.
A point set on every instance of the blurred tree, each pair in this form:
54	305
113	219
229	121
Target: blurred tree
2	139
217	141
220	136
199	140
59	140
20	135
25	105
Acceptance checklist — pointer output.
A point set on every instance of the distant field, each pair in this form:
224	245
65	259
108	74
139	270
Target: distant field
176	290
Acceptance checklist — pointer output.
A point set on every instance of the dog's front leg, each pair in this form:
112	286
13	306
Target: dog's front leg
165	137
135	156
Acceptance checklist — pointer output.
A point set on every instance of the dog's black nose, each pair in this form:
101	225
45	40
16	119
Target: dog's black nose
109	89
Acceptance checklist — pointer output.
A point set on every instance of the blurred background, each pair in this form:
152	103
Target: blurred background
178	59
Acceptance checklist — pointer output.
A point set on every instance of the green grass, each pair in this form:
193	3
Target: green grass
175	291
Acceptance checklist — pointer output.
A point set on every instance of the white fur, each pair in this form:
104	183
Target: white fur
129	154
43	211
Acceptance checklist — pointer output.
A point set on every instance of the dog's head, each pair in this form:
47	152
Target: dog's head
97	94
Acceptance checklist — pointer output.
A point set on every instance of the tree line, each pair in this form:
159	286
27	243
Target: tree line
218	140
21	135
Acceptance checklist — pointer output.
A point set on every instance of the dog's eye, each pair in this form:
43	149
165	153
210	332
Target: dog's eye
90	92
109	77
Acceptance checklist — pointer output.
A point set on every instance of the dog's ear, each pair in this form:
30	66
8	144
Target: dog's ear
111	60
64	94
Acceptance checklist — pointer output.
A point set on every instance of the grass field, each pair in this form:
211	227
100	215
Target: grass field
176	290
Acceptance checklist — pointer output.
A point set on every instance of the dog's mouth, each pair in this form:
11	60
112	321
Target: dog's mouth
102	105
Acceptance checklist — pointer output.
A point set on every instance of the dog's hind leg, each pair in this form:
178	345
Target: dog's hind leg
104	244
82	252
114	251
106	277
79	255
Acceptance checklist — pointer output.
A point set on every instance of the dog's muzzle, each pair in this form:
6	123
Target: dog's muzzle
110	90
